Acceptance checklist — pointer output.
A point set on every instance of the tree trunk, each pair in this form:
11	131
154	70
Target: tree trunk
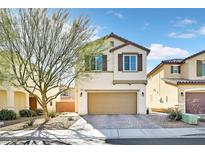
46	113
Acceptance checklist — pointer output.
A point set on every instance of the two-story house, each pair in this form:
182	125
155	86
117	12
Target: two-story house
178	82
117	80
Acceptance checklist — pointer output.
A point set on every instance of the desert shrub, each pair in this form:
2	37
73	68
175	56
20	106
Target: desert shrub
7	115
30	122
27	113
39	112
52	114
174	114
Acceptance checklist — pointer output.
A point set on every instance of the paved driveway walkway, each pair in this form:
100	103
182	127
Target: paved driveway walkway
120	121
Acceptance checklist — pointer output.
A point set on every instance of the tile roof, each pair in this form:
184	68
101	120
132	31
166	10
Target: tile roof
183	81
172	61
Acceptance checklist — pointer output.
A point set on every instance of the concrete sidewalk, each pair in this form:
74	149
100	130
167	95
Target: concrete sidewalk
85	131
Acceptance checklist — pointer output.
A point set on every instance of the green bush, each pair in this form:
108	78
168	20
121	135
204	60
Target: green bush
7	115
39	112
52	114
174	114
27	113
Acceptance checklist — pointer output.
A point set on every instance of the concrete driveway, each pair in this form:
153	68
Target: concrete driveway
120	122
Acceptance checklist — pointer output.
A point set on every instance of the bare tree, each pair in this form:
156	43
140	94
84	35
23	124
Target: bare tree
45	50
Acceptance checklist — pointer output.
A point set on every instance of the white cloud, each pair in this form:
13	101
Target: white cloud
180	22
188	21
145	26
97	30
160	52
188	35
182	35
117	14
201	31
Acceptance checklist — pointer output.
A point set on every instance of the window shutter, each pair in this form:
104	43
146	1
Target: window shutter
87	65
179	68
199	67
104	59
139	61
120	62
172	69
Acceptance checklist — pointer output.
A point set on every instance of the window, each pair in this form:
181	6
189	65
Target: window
203	69
175	69
96	63
130	62
112	43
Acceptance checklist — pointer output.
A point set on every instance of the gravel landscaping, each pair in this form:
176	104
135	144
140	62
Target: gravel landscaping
163	122
58	123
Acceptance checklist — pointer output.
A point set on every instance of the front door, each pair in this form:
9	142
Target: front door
32	104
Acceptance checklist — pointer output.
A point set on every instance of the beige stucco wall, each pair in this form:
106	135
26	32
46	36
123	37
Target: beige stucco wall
190	70
3	99
14	98
103	81
120	75
167	71
19	101
159	93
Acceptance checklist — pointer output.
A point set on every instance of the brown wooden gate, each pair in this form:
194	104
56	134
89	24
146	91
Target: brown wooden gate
65	106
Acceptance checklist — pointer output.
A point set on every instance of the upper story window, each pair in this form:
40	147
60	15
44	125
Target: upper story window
96	63
130	62
112	43
175	69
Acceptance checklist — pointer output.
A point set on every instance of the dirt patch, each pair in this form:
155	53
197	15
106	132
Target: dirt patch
57	123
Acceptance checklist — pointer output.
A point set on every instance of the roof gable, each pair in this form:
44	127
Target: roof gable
194	55
126	42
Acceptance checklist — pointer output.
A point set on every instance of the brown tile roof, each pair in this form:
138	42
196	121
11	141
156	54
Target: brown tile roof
183	81
127	42
172	61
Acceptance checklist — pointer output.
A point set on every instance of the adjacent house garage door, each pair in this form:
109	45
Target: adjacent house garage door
112	103
195	102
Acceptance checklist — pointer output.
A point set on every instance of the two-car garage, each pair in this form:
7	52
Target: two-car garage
112	103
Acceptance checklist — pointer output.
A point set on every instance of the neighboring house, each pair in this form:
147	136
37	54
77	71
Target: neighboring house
17	99
117	80
178	82
13	98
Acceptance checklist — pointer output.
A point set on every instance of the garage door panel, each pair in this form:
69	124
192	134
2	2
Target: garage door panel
195	103
112	103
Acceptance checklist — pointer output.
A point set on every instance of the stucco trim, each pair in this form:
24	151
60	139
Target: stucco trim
110	90
129	81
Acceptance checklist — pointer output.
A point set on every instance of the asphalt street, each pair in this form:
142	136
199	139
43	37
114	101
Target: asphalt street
157	141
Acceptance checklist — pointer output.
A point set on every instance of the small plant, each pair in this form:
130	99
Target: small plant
30	122
27	113
39	112
6	114
174	114
52	114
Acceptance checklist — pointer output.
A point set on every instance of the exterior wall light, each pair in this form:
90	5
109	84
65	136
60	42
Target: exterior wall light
81	94
182	94
142	93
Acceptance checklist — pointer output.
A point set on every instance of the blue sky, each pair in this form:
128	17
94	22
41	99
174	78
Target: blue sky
169	33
